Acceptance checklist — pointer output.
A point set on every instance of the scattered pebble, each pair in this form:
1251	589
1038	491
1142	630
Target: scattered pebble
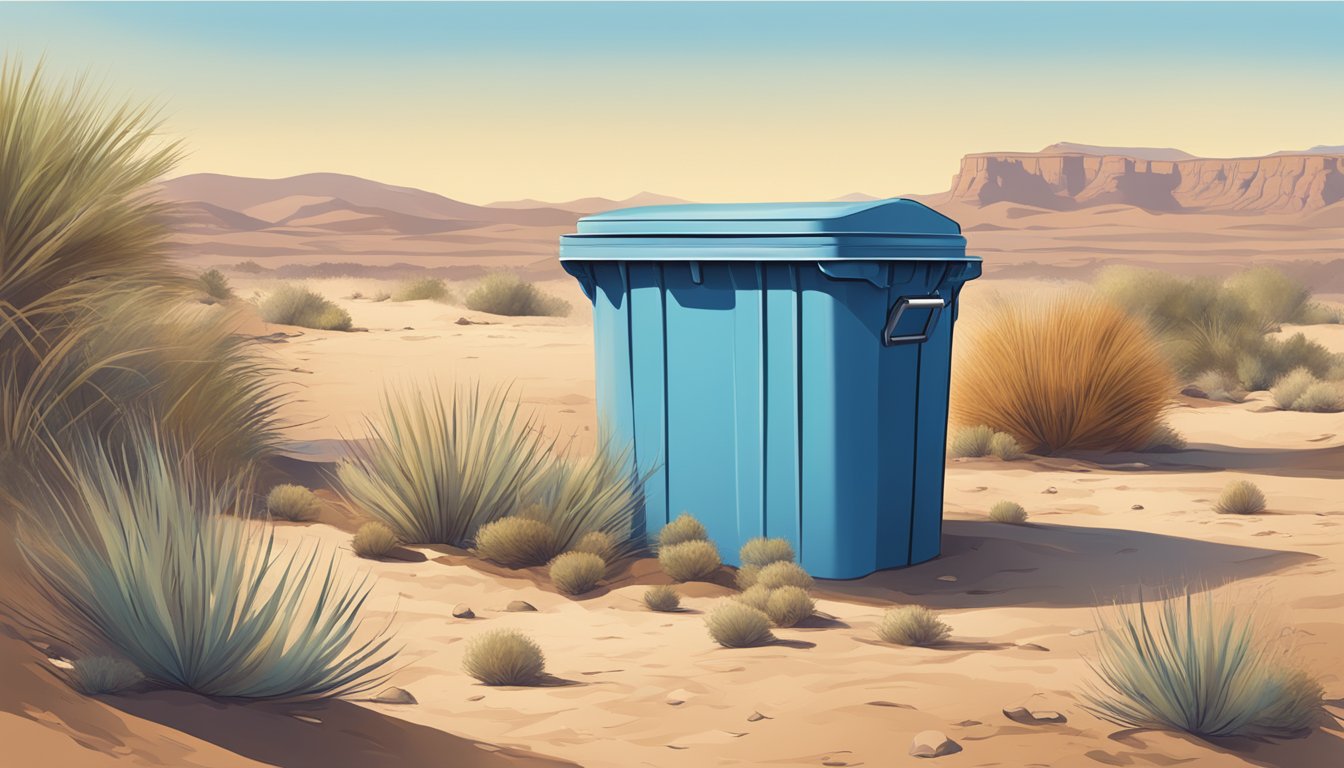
679	697
520	606
1051	489
394	695
947	578
757	717
306	719
968	723
889	704
933	744
1080	632
1026	717
477	697
1137	506
463	611
1033	647
1193	391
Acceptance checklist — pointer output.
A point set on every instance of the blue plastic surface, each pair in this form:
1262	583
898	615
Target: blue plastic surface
758	388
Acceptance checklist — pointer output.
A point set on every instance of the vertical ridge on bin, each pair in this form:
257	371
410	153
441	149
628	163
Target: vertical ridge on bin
746	415
795	279
780	359
764	399
647	360
931	451
667	453
914	460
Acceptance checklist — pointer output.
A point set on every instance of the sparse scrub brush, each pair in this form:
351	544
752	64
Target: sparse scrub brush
214	284
1197	666
662	598
735	625
374	539
757	596
94	675
1271	296
504	657
293	503
784	574
1219	386
1008	512
761	552
423	289
1321	397
575	573
517	542
296	305
1070	373
598	543
787	606
684	528
1004	446
1252	373
592	501
912	625
504	293
746	576
1165	439
1288	389
1241	497
970	442
689	560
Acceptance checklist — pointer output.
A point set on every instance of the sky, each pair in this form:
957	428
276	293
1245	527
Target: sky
707	101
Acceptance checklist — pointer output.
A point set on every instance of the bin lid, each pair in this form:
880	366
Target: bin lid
880	229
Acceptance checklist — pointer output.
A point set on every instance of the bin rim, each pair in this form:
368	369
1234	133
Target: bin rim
891	218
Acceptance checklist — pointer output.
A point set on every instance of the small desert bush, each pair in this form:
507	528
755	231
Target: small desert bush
1220	386
1241	497
424	288
577	572
374	540
296	305
1288	389
689	560
504	657
662	598
1197	666
1165	438
970	442
95	675
787	606
1271	296
1321	397
1004	446
735	625
1008	512
592	499
598	543
757	596
517	541
784	574
214	284
137	553
1321	314
746	576
248	267
684	528
761	552
912	625
1070	373
293	502
504	293
380	296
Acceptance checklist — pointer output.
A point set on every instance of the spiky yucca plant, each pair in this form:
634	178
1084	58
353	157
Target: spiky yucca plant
135	552
593	498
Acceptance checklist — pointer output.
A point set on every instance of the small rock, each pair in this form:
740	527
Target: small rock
933	744
835	763
477	697
1032	647
462	321
395	695
519	606
757	717
463	611
1137	506
968	723
1051	489
1026	717
679	697
1080	632
889	704
407	328
947	578
1193	391
306	719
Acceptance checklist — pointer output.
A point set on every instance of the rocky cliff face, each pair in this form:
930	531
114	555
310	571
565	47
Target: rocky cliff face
1062	180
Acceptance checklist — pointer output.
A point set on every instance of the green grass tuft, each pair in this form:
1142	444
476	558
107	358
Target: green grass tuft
1004	446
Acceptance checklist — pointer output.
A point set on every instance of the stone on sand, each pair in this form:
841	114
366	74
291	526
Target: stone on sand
395	695
463	611
520	606
932	744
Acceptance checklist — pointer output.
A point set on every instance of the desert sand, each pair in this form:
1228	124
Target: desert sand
1020	599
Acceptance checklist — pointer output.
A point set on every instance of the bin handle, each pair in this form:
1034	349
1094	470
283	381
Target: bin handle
933	303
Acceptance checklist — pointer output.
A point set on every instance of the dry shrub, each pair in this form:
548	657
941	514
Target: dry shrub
374	539
1213	670
517	542
1288	389
746	576
1241	497
296	305
504	293
757	596
970	442
1165	439
784	574
1220	386
689	560
504	657
912	625
1008	512
598	543
1321	397
662	598
293	502
684	528
215	284
1005	447
760	552
577	572
787	606
1069	373
735	625
93	675
423	289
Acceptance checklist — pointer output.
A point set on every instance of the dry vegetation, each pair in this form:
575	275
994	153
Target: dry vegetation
296	305
912	625
504	293
736	625
504	657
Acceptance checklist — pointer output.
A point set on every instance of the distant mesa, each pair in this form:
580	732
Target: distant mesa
1138	153
1319	149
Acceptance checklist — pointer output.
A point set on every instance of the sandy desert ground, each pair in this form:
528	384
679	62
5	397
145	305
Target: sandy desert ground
1020	599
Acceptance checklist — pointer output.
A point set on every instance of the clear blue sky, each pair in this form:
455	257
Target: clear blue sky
708	101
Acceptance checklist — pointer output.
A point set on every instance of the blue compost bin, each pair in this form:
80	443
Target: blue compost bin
782	369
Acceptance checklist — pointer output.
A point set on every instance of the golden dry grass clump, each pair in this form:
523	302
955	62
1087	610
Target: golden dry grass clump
787	606
1008	512
423	289
684	528
1005	447
736	625
598	543
970	442
504	293
1300	390
374	539
912	625
761	552
662	598
784	574
93	675
296	305
1206	668
1241	497
694	560
756	596
504	657
293	502
577	572
1068	373
517	542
